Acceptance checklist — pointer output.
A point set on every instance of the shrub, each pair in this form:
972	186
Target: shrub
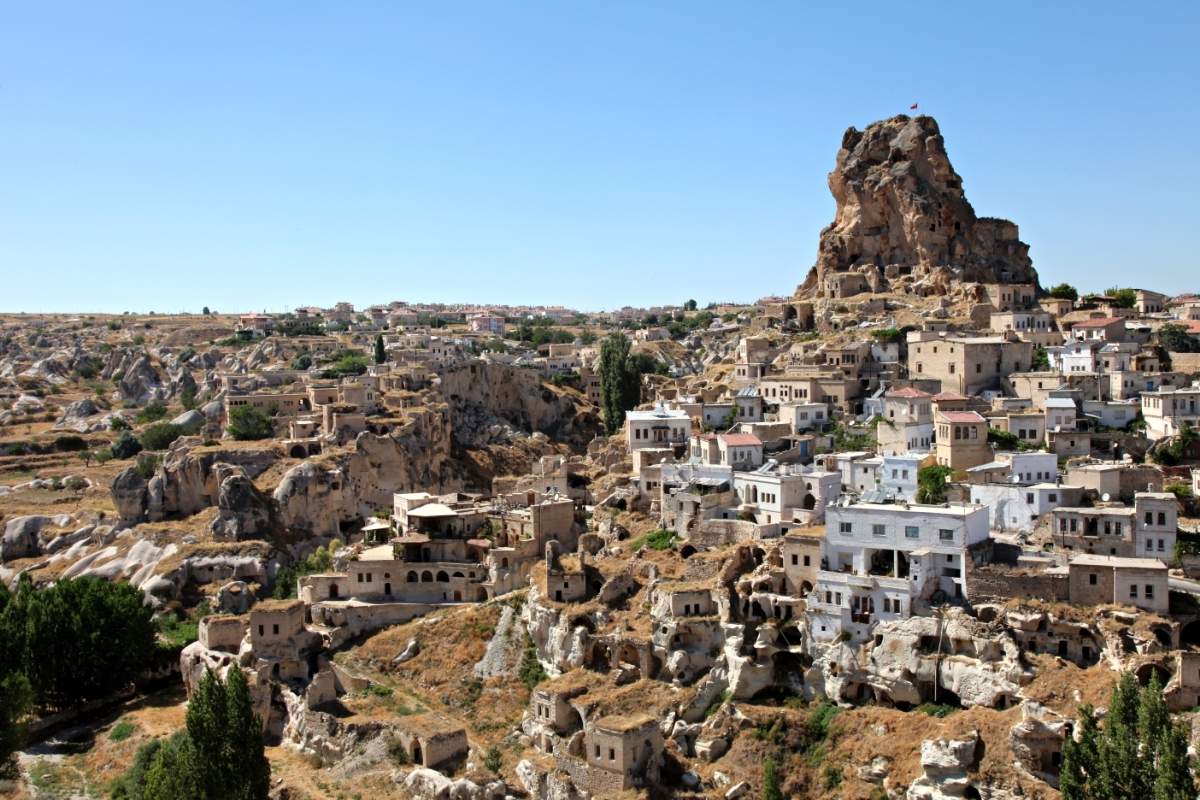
126	446
1064	291
147	465
118	423
531	670
492	760
160	435
247	423
121	731
70	444
153	412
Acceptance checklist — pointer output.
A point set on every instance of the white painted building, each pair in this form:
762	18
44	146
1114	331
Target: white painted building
879	559
1016	507
659	427
804	416
1166	410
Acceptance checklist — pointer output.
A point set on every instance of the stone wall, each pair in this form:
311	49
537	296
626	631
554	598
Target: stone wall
997	583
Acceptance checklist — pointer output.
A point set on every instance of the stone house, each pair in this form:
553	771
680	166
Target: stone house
1035	326
1008	296
1101	329
801	551
431	740
622	752
1099	579
962	439
1146	530
908	422
1166	411
967	364
751	360
280	643
803	416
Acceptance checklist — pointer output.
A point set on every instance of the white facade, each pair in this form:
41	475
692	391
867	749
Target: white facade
898	474
657	428
804	416
1166	410
878	559
1016	507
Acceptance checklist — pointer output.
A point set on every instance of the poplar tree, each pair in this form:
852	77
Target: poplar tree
620	381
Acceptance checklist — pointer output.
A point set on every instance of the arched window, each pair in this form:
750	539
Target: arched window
442	577
412	577
426	577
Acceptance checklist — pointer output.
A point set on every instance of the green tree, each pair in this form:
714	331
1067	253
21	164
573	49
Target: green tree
1080	756
174	772
1173	780
620	381
126	445
205	311
1124	297
77	640
1139	753
690	305
227	737
931	483
1175	339
1041	359
187	397
16	700
380	353
247	423
160	435
771	790
1064	291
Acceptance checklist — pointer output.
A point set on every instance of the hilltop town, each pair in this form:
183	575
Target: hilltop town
885	534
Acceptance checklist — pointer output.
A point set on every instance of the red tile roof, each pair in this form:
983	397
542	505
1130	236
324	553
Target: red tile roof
940	396
907	393
963	416
740	440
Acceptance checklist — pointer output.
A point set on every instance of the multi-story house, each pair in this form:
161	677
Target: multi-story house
907	422
967	364
659	427
879	559
1166	411
962	439
1145	530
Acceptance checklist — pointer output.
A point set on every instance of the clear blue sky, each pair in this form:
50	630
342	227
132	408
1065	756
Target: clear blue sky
249	155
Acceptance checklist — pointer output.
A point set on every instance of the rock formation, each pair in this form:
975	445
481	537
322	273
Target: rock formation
903	220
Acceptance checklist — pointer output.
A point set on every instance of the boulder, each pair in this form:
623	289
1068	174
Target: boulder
191	421
130	496
428	784
20	538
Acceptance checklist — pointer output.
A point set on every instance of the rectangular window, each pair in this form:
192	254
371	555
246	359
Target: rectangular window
806	561
795	559
1149	593
912	532
845	527
878	530
946	535
1133	590
1091	579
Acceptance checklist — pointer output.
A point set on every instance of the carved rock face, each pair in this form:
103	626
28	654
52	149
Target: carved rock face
902	215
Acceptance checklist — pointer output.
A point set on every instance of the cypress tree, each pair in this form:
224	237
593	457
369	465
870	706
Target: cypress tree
249	770
620	381
380	353
1121	773
1173	778
208	727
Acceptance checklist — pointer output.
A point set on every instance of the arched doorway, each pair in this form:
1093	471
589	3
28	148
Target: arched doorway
387	589
333	591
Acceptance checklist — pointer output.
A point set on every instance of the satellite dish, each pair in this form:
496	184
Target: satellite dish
1105	497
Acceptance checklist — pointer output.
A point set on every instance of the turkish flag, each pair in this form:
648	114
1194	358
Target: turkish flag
913	107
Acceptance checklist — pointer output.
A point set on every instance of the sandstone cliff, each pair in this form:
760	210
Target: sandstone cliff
903	221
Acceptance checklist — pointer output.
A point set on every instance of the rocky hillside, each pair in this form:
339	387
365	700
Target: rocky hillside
903	220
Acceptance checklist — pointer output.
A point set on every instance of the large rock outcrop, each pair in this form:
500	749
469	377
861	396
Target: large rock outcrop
903	220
